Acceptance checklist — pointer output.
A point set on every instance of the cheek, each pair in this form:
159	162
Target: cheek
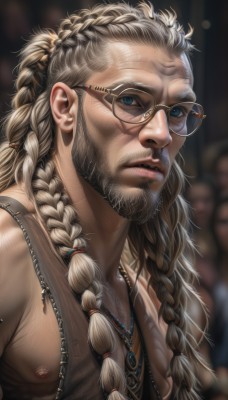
101	124
175	146
104	130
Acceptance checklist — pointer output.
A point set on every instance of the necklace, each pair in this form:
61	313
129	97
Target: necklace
124	274
134	368
126	335
134	364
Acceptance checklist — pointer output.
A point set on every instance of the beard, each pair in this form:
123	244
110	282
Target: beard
89	162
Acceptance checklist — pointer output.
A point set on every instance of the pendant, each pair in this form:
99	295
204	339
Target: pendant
131	360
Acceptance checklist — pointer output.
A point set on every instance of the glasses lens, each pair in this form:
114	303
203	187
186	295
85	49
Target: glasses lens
131	105
185	118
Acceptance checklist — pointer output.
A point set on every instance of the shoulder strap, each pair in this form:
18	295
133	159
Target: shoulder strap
11	205
79	368
19	213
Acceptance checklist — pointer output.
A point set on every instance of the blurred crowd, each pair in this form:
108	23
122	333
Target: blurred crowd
207	194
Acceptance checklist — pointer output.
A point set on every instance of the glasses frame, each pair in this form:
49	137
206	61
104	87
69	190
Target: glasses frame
151	112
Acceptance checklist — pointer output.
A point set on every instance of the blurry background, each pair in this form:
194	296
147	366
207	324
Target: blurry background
205	154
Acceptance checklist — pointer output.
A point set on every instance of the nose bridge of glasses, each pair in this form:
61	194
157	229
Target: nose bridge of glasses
154	109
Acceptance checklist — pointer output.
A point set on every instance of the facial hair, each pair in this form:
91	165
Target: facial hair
89	162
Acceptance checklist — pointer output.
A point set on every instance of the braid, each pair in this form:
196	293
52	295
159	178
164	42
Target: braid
80	37
29	124
71	57
61	221
172	276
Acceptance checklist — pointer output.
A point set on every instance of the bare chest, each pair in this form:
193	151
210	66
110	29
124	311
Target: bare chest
31	361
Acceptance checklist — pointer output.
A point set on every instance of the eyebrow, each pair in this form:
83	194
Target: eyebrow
187	95
135	85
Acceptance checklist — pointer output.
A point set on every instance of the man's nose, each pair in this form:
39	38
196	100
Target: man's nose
155	132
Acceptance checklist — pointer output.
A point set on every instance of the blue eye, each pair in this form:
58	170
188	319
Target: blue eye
127	100
176	112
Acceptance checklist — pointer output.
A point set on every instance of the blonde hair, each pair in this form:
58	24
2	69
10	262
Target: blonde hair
160	245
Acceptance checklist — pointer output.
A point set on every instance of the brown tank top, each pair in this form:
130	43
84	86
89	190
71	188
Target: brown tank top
80	366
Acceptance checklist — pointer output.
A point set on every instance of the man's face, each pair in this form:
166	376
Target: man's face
129	164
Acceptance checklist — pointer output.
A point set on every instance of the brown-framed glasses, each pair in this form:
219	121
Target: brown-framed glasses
137	106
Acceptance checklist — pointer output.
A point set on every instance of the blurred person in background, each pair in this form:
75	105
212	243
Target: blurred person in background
221	172
220	227
90	160
220	325
209	248
216	165
201	195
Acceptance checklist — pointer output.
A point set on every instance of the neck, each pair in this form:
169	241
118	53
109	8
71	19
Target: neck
103	228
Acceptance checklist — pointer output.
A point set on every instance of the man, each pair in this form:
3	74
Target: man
101	111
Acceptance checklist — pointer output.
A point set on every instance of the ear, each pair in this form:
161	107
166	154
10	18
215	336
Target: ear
63	101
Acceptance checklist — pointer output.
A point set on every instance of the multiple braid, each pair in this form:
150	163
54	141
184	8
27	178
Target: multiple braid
71	56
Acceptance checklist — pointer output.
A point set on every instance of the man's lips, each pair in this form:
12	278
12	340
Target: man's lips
148	164
142	170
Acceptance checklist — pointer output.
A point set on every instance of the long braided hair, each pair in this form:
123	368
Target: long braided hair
160	245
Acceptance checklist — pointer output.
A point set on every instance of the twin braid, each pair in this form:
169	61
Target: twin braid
30	130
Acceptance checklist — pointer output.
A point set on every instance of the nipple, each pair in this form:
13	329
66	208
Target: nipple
41	372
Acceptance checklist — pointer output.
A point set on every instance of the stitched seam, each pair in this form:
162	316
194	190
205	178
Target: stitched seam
45	291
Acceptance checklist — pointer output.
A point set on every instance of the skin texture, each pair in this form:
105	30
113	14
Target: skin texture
117	145
170	78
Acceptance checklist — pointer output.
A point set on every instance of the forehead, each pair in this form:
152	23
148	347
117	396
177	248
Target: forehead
150	65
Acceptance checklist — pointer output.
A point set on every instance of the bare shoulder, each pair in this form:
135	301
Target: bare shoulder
15	276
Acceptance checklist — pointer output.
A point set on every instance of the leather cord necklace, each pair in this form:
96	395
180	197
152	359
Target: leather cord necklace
124	274
133	368
134	365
